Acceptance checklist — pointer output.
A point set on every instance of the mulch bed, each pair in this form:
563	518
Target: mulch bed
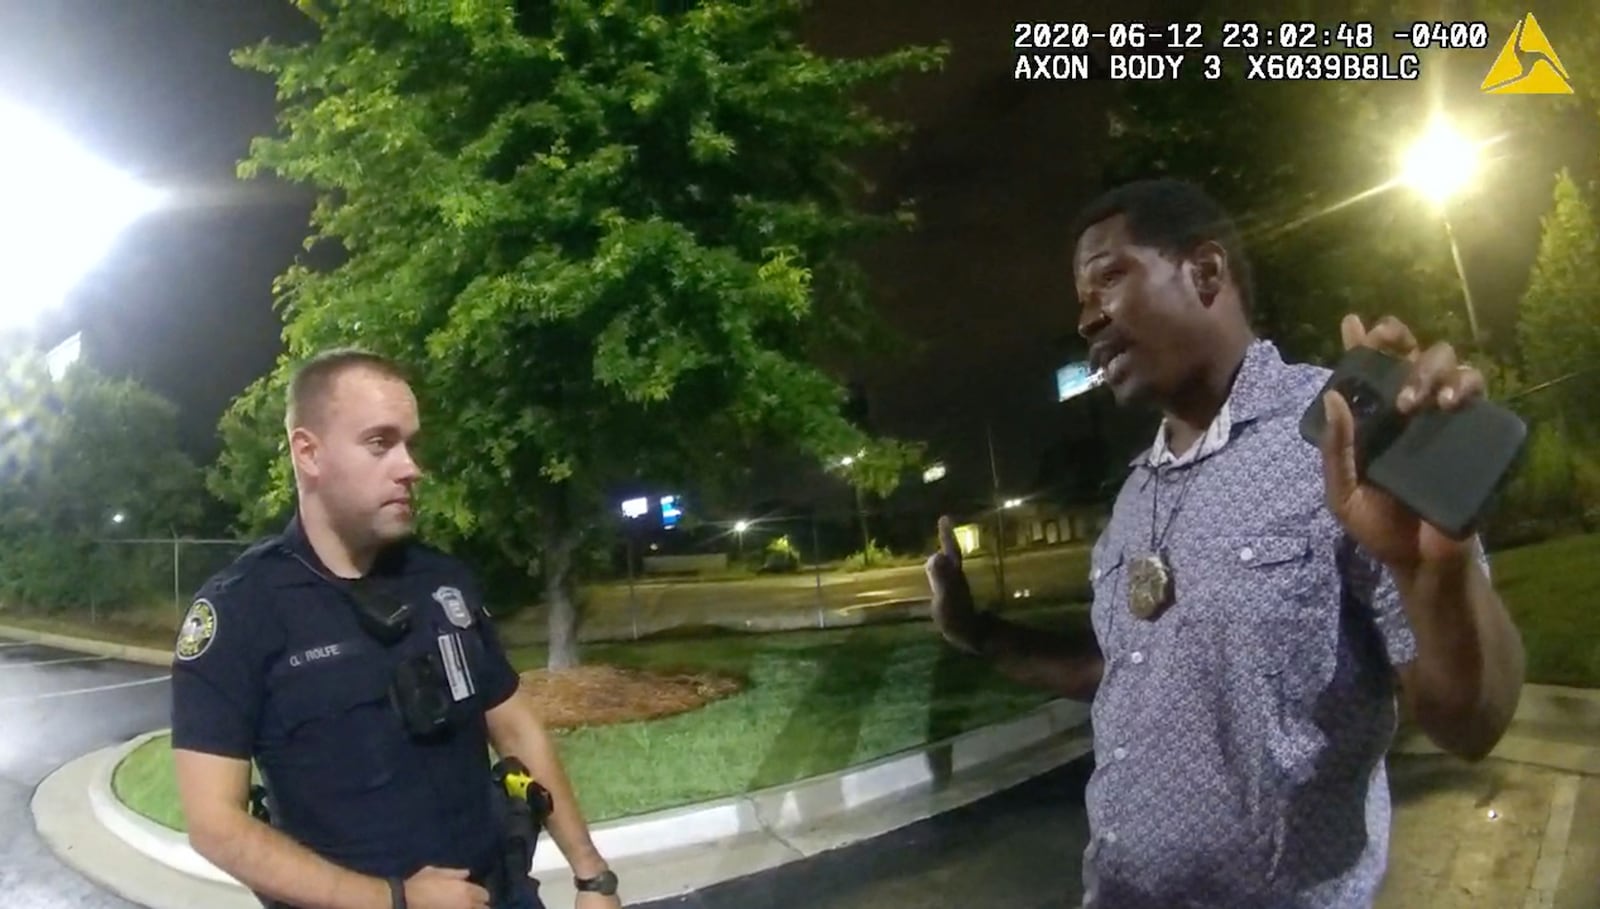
600	695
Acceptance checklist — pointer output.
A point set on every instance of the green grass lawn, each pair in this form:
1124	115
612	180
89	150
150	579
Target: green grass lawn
816	701
154	625
1552	590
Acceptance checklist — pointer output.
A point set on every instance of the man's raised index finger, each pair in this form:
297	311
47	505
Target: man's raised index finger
947	541
1351	331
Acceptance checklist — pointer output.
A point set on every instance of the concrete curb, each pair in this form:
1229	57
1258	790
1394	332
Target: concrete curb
591	633
615	629
811	802
596	634
746	833
166	846
1575	707
1517	749
1554	727
67	823
147	655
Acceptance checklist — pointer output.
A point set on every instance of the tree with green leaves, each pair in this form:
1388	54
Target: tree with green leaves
87	457
1558	328
610	242
1558	324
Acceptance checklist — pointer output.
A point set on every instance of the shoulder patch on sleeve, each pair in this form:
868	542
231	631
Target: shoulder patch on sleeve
199	629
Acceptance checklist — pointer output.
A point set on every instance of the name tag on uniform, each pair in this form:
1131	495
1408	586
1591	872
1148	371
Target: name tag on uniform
319	654
455	667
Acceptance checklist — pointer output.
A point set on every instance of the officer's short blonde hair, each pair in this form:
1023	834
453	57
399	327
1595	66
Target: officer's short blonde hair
312	382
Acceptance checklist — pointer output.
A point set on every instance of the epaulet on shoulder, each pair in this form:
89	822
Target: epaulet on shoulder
240	568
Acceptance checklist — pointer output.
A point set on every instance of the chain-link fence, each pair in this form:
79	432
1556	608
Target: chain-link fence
147	580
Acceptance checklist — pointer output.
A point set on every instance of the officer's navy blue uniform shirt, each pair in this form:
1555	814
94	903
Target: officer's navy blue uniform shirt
273	665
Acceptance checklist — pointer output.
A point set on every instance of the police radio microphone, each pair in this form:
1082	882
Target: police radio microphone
380	613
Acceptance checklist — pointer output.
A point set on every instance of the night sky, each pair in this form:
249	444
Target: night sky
983	288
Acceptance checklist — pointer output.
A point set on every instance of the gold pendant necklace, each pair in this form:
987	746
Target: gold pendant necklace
1151	586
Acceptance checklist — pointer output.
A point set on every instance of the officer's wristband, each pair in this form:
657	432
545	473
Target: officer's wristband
397	893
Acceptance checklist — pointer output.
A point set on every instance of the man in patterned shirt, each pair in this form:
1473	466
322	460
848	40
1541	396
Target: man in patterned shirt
1257	610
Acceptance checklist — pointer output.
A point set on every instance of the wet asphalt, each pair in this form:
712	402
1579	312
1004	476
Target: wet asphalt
56	706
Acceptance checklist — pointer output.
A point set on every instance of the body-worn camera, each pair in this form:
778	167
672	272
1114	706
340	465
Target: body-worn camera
1443	466
420	688
420	693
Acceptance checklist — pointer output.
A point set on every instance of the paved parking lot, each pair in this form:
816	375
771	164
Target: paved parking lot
55	706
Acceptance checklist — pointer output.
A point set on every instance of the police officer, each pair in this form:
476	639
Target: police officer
357	668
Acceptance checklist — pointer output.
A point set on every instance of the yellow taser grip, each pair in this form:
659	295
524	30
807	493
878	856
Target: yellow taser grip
517	785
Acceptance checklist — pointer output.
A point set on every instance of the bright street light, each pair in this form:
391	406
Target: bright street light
61	210
741	526
1440	163
848	460
118	518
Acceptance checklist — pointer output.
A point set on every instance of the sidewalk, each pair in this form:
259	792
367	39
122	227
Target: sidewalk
602	626
91	646
1499	834
1514	831
658	856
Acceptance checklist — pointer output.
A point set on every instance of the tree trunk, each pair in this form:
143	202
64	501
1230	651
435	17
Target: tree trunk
560	541
563	610
866	535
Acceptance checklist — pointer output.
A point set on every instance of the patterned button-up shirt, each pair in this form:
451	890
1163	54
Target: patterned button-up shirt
1240	734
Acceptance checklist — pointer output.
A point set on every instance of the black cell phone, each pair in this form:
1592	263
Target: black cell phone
1445	467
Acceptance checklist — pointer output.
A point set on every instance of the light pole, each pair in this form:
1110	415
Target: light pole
847	462
1461	273
739	527
999	516
632	511
1439	165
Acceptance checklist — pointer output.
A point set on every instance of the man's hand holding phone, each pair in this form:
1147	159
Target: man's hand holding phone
1377	519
